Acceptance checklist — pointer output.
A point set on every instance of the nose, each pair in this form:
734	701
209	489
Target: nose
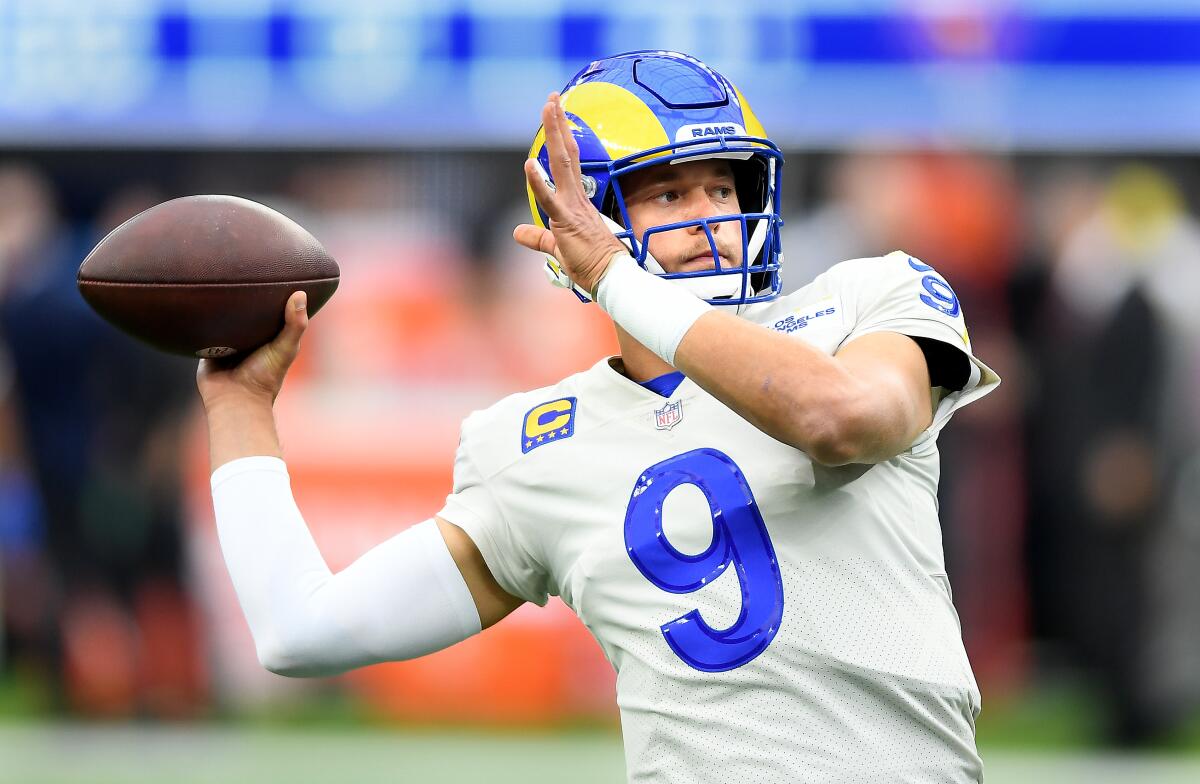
698	205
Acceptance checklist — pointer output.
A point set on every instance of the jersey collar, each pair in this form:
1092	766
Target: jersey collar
623	390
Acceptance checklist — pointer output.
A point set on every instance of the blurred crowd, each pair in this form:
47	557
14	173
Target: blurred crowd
1070	538
1068	497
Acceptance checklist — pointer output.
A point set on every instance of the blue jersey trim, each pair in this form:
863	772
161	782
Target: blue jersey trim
665	384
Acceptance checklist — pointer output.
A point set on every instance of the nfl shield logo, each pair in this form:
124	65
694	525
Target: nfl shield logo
669	415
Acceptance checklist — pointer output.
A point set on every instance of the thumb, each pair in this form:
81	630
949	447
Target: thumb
535	238
295	321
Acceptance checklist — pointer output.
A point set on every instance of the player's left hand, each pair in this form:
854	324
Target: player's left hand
257	378
577	236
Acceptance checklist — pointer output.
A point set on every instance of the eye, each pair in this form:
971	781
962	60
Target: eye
666	197
723	192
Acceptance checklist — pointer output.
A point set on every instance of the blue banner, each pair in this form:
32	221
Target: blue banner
356	73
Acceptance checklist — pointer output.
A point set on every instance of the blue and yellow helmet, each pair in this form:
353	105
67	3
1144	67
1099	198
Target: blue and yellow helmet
647	108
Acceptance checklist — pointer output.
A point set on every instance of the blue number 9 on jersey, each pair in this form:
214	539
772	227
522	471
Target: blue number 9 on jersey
739	539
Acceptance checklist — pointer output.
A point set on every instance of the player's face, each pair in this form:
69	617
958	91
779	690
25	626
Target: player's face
681	192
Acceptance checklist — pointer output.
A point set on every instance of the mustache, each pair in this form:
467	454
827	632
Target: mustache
724	251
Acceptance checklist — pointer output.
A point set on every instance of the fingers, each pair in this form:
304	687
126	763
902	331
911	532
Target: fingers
541	190
556	148
535	238
572	146
562	149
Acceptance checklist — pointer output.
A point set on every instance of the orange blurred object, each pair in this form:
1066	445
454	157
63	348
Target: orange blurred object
540	665
171	679
100	655
396	361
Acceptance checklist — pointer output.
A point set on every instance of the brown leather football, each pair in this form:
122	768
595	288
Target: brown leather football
205	276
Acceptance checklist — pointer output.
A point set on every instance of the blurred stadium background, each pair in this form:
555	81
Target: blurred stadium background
1041	153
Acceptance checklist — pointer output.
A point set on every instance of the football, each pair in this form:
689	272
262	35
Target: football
205	276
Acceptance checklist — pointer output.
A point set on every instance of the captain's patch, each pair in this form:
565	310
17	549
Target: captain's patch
548	422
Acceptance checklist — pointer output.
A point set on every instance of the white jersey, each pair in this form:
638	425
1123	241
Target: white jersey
770	619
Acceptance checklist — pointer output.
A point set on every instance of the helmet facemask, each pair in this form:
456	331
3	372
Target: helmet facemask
753	278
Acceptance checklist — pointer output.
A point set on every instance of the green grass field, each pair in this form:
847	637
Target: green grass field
1049	735
141	754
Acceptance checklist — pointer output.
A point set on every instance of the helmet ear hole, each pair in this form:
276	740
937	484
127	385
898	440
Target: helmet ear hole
609	208
750	183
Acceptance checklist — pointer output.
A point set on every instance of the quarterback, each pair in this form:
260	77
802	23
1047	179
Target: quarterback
741	507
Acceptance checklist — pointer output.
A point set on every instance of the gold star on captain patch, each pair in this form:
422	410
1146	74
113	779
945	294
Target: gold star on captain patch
528	444
540	439
563	431
553	434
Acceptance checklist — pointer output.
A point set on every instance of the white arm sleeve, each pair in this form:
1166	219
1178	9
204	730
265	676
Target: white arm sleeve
404	598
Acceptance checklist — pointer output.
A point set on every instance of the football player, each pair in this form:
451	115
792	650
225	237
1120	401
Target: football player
741	507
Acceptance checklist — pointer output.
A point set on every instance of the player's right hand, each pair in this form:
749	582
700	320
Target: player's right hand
578	236
258	377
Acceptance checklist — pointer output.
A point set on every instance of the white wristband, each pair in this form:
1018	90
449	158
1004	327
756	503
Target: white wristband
654	312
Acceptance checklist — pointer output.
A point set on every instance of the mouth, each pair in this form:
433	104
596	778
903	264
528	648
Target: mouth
701	261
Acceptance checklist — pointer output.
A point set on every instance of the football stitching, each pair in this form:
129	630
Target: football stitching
92	281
